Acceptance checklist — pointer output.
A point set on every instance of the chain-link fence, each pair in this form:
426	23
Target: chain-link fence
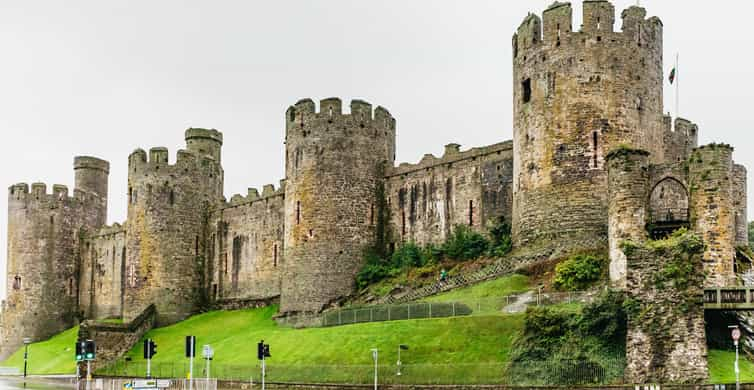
437	309
524	373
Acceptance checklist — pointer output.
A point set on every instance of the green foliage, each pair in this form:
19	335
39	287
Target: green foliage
500	235
593	336
462	245
578	272
465	244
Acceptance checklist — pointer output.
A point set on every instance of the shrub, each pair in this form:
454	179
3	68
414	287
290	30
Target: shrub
373	271
501	242
465	244
578	272
407	255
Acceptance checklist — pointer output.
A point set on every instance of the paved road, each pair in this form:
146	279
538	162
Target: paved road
12	384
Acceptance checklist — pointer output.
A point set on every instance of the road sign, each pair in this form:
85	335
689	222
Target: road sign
736	334
208	352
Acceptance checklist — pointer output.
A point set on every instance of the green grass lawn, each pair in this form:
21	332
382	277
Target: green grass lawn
721	367
315	353
53	356
486	298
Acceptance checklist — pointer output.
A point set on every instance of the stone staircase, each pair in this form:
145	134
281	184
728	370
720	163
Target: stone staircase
503	266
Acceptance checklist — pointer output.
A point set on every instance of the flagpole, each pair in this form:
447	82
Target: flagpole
677	87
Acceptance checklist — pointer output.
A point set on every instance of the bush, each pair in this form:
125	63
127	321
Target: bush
373	271
465	244
500	233
578	272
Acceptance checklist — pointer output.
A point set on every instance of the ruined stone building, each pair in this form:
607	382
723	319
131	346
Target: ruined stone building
579	94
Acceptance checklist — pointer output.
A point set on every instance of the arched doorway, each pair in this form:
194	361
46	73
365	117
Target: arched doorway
668	208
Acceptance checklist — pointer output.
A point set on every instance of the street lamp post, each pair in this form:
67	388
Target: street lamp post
374	356
27	341
399	364
735	335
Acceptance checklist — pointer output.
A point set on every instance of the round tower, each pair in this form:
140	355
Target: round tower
334	163
578	95
713	210
168	207
628	189
92	176
205	142
43	239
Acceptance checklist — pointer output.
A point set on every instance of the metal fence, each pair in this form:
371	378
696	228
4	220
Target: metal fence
525	373
431	309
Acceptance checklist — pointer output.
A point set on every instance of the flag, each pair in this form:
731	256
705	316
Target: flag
672	76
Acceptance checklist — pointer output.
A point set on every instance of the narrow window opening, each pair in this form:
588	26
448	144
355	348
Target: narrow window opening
298	212
599	39
311	233
52	219
196	246
403	223
371	215
130	194
526	90
471	213
171	197
275	255
214	291
558	30
599	24
132	275
225	263
594	148
17	283
70	287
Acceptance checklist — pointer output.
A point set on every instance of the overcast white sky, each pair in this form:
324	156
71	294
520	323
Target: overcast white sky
105	77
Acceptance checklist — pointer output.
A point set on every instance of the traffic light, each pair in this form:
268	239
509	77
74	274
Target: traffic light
190	346
90	350
263	350
150	348
80	348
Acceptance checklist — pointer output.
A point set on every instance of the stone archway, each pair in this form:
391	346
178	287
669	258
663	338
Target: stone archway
668	207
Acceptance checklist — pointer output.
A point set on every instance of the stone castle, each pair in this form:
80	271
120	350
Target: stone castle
593	162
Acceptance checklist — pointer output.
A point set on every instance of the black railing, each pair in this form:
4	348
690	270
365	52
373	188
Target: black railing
670	215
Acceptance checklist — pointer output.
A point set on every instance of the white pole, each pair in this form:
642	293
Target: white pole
374	356
191	363
263	373
149	368
738	383
207	370
88	374
677	88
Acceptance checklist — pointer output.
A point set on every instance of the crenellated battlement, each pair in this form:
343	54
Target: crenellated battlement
452	154
554	29
158	160
253	195
304	114
37	192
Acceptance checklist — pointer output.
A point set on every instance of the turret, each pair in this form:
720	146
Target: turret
628	188
334	163
712	210
577	96
92	176
205	142
168	208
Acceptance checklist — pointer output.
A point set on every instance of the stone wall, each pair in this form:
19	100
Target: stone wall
334	165
628	184
114	340
680	140
576	96
101	275
665	341
712	210
472	188
168	214
246	246
739	204
44	233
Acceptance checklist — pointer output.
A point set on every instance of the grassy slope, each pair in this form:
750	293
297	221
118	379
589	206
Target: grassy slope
496	288
721	367
53	356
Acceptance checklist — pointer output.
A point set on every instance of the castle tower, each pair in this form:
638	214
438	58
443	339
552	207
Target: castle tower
577	96
712	210
168	209
739	202
628	187
92	176
43	248
333	166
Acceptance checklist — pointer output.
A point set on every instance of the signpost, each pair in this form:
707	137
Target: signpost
400	347
208	354
263	351
374	357
735	334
